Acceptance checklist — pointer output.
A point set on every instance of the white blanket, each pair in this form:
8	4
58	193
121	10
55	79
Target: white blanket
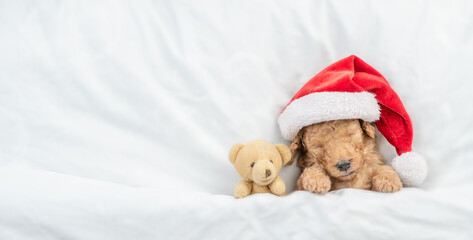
116	117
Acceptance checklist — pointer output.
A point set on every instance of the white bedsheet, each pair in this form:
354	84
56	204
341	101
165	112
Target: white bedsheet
116	117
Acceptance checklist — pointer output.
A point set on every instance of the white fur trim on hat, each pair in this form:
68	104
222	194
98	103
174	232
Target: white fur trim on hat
411	168
326	106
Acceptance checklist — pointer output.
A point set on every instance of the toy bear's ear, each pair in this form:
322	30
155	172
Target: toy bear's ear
285	153
234	152
367	128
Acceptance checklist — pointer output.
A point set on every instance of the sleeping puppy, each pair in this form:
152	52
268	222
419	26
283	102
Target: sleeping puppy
341	154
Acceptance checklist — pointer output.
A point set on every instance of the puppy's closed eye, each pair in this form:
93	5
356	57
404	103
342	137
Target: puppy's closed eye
354	133
315	147
316	150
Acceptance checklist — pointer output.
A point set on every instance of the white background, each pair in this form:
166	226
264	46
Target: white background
116	117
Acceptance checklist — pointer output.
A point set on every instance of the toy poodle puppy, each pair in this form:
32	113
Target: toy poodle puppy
341	154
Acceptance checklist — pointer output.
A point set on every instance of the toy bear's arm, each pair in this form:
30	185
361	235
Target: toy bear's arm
243	189
278	186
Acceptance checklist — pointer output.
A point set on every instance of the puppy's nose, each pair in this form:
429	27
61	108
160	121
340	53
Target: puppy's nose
343	165
268	173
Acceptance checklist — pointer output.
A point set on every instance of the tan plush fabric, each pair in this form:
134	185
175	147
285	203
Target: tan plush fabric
258	163
327	148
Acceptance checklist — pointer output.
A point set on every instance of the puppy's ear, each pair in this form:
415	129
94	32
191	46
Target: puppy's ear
295	146
284	152
367	128
232	155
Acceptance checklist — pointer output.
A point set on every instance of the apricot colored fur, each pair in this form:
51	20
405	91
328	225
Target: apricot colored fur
323	145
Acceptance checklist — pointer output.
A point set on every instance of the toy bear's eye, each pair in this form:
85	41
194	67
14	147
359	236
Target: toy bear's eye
252	164
271	161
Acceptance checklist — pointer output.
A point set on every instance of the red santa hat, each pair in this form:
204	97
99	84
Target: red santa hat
352	89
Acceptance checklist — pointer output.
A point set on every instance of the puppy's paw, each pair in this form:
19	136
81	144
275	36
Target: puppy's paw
318	184
386	183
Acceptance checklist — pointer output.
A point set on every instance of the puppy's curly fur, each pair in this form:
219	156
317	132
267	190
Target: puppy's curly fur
341	154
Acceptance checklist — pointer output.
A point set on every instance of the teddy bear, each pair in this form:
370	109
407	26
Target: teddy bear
258	163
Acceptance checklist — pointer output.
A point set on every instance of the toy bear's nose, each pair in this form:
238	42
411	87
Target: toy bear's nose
268	173
343	165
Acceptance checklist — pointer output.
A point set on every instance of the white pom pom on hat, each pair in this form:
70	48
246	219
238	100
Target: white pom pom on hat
352	89
411	168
